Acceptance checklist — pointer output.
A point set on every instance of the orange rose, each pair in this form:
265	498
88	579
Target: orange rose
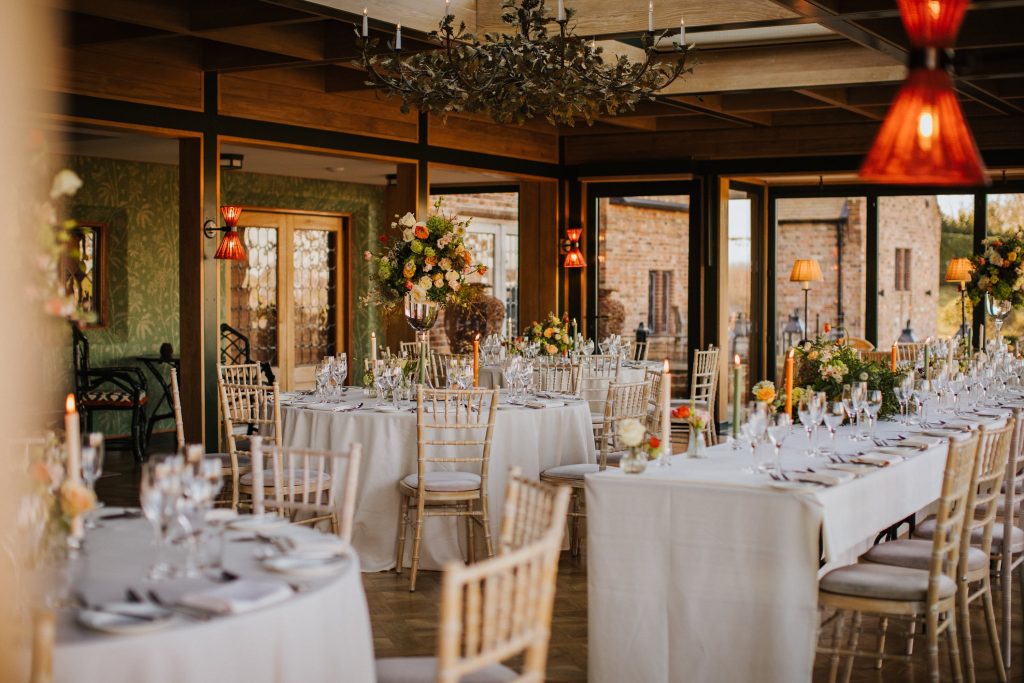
421	231
482	270
76	499
654	442
682	412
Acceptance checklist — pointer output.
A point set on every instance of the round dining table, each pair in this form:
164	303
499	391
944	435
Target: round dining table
533	439
320	630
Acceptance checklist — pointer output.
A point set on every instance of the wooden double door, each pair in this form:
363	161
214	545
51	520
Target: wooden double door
289	297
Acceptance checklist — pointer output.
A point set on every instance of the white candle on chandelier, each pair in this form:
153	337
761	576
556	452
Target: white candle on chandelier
398	37
447	7
650	17
366	22
682	31
561	10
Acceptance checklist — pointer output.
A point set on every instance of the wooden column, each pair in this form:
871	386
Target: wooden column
539	263
399	198
190	284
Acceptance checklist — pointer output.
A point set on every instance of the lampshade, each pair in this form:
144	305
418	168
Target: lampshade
573	234
959	270
574	259
231	247
231	215
932	23
924	138
805	270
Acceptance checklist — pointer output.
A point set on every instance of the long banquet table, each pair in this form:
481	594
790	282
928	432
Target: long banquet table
702	572
320	634
532	439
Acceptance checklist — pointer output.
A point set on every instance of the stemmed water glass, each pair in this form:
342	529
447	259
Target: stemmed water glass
853	395
322	377
778	430
526	377
922	390
834	414
339	372
510	373
92	466
754	429
381	380
159	497
872	406
809	410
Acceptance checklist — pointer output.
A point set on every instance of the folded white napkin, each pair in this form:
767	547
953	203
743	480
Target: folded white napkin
923	441
236	597
321	406
826	478
877	458
313	543
850	467
540	403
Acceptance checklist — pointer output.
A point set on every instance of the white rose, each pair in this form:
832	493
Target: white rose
407	221
631	433
425	282
418	293
65	183
451	275
408	235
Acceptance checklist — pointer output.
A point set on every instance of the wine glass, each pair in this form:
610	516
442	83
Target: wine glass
922	390
339	372
322	377
755	426
852	405
154	497
510	373
381	380
778	430
807	410
834	414
872	406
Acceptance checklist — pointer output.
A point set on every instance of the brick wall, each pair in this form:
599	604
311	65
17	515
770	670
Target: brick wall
634	241
912	223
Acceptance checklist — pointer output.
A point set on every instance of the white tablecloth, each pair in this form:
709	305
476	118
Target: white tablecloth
531	439
700	572
322	634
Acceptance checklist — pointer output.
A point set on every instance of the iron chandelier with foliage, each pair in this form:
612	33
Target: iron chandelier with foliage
531	73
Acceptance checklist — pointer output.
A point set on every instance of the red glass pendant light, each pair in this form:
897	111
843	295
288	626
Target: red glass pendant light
925	139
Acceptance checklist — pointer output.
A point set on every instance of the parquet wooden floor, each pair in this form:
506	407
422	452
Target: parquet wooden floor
405	623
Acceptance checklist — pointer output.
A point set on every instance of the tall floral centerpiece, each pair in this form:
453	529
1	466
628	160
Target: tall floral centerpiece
998	276
826	365
425	270
552	333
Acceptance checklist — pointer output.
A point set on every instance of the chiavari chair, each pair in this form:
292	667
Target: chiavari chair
653	377
453	428
258	409
530	507
1008	556
307	483
704	386
241	373
597	374
894	592
497	609
624	402
982	501
908	352
558	375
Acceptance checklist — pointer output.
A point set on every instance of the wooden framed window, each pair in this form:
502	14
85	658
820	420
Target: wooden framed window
902	270
659	300
83	271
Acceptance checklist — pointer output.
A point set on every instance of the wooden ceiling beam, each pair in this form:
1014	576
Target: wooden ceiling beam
775	100
165	15
837	98
83	30
711	105
230	13
412	14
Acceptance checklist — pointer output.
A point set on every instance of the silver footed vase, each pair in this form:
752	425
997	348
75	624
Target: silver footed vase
421	316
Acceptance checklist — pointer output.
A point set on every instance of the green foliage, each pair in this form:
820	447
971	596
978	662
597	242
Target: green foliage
825	365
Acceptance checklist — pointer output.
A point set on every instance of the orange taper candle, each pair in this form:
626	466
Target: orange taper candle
789	381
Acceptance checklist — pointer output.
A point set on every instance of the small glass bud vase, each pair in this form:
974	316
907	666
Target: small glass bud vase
697	447
634	461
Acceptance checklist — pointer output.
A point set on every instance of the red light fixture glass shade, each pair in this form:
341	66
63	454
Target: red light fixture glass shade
231	247
574	234
932	23
231	215
924	139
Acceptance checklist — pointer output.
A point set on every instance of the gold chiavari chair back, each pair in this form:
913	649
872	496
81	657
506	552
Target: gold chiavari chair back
558	375
257	408
908	352
241	373
530	507
179	426
307	483
625	402
653	377
454	431
704	386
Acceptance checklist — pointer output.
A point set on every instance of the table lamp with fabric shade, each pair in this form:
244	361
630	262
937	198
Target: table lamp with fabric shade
959	271
806	271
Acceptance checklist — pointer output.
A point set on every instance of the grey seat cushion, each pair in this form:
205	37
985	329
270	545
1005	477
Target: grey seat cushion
883	582
297	478
926	529
424	670
444	481
571	471
916	553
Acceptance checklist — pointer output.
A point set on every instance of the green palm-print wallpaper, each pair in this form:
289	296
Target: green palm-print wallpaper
138	202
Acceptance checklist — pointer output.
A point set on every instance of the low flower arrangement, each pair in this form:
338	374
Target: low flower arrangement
430	261
766	393
633	435
552	333
999	270
826	365
54	502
